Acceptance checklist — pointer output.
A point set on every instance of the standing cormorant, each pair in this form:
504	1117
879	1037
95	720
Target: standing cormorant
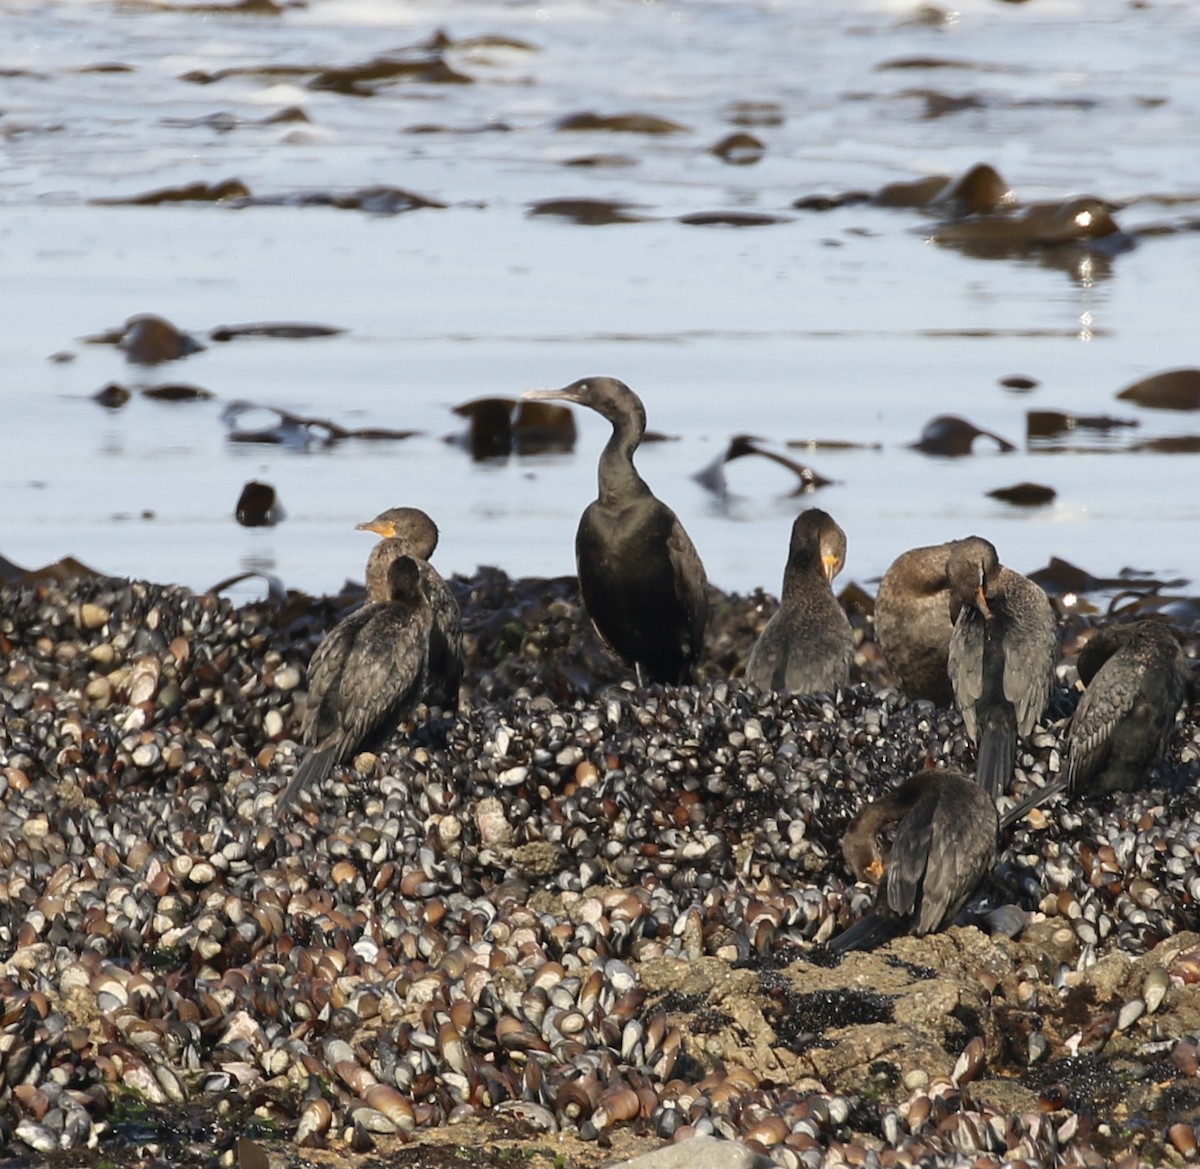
364	678
1136	678
408	531
807	646
1002	656
928	844
642	582
913	623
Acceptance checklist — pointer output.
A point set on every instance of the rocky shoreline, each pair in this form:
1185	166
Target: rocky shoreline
576	923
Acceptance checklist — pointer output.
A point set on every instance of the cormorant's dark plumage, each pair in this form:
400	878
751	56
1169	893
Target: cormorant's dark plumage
928	844
1136	678
408	531
641	579
913	623
1002	656
365	677
808	644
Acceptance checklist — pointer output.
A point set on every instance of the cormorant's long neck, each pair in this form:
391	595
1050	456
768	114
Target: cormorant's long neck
803	568
619	480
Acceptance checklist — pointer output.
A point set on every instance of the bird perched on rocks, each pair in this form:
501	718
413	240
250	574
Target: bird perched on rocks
1136	678
913	623
807	645
1002	656
364	678
642	581
927	845
408	531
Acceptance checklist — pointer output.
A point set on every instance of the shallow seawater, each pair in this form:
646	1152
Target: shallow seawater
846	325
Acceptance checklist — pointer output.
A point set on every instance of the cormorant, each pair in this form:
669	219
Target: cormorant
1136	678
408	531
807	646
364	678
1002	656
928	844
642	581
913	623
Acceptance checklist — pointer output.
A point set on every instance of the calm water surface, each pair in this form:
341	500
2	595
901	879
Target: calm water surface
843	325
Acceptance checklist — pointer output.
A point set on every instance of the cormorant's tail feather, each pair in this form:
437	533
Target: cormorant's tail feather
997	757
316	766
866	934
1036	798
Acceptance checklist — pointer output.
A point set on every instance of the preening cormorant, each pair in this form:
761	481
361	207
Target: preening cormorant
364	678
807	645
642	581
928	844
1002	656
408	531
1136	678
913	623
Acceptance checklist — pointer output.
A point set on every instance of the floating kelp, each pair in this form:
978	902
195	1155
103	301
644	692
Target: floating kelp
831	444
1060	577
198	192
599	161
739	149
113	396
489	41
1051	424
952	436
379	200
239	7
367	78
501	426
440	128
284	330
258	506
224	121
177	392
1019	383
542	427
977	190
620	124
1025	494
937	103
921	62
830	202
106	67
1175	389
590	212
1170	444
298	431
731	219
1077	223
148	340
755	113
909	193
712	477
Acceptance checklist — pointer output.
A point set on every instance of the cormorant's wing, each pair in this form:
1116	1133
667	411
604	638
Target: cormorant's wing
965	665
325	668
1111	695
910	857
691	585
445	667
1030	655
384	671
